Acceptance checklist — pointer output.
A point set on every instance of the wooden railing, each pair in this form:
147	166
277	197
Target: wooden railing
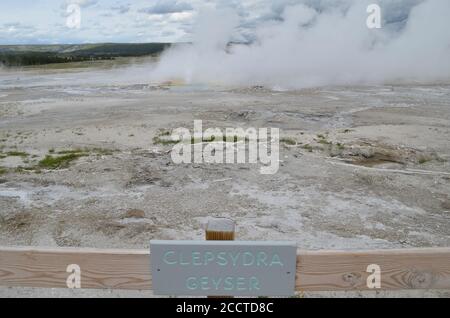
427	268
316	271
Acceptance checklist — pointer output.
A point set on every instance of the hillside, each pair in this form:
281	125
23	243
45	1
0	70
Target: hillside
23	55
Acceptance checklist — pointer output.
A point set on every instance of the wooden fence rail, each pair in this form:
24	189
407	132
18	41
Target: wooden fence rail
316	271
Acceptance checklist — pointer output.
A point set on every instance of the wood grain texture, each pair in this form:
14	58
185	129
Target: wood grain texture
316	271
100	269
400	269
220	229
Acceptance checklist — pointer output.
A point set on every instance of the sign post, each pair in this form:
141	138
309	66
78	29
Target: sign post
220	229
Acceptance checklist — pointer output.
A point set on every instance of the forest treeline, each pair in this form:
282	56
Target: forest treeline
39	55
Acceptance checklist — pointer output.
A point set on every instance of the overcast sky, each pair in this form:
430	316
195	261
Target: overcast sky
44	21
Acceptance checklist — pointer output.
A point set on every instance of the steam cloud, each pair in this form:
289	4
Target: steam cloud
317	43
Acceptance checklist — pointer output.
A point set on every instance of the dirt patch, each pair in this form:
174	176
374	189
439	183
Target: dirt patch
376	154
128	228
17	223
446	205
376	159
135	213
144	176
63	237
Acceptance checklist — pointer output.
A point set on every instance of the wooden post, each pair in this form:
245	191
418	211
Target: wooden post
220	229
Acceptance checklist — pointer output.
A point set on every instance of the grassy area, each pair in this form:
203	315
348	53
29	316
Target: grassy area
3	171
325	142
21	169
164	137
160	140
16	154
59	162
71	152
63	158
288	141
423	160
85	151
226	139
308	148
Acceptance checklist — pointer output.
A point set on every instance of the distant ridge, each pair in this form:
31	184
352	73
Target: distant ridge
22	55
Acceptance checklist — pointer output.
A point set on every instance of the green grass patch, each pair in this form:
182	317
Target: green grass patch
71	152
63	158
164	133
325	142
86	151
59	162
308	148
289	141
21	169
164	138
17	154
226	139
424	160
3	170
159	140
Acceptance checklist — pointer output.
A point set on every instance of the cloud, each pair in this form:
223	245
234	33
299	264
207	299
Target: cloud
82	3
16	27
175	16
166	7
121	8
15	32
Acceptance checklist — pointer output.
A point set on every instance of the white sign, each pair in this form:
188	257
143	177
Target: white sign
223	268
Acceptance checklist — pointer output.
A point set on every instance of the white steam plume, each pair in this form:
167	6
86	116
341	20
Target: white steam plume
313	45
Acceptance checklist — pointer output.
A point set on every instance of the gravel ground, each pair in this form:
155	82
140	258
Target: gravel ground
360	167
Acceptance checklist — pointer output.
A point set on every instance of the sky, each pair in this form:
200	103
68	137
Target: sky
44	21
138	21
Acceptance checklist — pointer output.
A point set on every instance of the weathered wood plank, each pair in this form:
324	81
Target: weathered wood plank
220	229
316	271
100	269
400	269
